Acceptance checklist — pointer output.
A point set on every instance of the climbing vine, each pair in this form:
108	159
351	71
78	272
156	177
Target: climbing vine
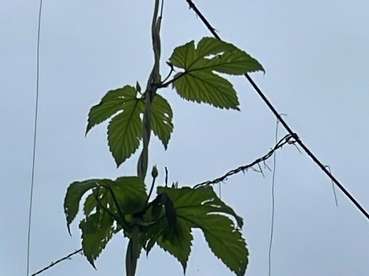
127	205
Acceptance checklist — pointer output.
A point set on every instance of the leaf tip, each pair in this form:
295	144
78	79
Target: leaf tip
184	266
88	127
118	162
91	261
166	145
69	232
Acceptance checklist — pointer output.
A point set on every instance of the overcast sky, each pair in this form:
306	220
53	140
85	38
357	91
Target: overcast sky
316	56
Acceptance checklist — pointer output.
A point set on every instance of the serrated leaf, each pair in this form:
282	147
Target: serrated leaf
113	102
215	55
125	131
199	82
225	241
176	239
161	120
97	230
177	243
201	208
207	87
73	197
125	127
171	233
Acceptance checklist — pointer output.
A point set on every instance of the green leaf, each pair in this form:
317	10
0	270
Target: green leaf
113	102
207	87
201	208
128	194
97	230
214	55
73	196
176	239
161	120
131	193
171	233
125	127
125	131
225	241
177	243
199	82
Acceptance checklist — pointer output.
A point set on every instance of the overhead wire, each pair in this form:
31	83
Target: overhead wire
34	146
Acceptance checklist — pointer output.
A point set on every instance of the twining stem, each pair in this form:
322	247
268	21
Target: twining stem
151	89
134	246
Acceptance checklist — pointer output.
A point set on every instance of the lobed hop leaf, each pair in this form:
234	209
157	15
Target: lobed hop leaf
125	107
199	81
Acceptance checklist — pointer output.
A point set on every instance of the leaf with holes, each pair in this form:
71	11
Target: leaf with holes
162	116
199	82
201	208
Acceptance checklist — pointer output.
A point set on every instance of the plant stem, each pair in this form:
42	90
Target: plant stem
150	91
134	248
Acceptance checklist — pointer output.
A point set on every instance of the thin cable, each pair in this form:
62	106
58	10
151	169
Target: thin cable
54	263
34	137
273	205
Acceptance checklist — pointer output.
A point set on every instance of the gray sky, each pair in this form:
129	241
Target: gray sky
315	54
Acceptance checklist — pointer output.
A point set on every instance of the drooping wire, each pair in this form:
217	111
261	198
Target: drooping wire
273	205
34	147
333	189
